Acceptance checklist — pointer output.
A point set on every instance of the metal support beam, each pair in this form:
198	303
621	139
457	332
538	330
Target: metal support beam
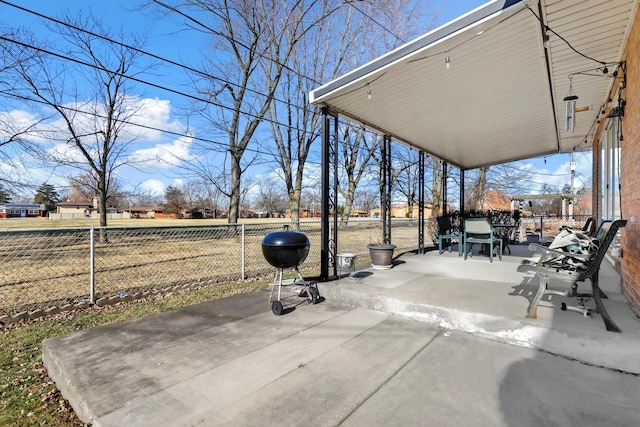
333	198
324	198
444	189
462	173
420	202
386	189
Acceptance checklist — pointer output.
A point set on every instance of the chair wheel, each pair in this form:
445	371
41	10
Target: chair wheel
276	308
314	295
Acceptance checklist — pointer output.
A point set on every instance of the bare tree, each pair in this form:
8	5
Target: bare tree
295	124
16	128
144	198
508	179
271	197
213	198
478	189
252	43
365	200
82	188
79	191
87	89
329	50
406	175
437	180
358	148
201	197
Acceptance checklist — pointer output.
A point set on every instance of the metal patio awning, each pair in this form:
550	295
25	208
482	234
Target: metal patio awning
485	89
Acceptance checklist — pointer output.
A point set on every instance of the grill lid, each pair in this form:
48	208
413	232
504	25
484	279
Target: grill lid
285	249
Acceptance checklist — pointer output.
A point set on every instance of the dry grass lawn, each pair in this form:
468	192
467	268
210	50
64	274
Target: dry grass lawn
52	268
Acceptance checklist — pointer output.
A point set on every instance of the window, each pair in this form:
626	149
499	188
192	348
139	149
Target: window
610	176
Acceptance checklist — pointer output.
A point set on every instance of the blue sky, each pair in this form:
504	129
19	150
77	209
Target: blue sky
164	40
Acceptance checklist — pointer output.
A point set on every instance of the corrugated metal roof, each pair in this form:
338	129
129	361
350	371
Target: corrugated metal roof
501	98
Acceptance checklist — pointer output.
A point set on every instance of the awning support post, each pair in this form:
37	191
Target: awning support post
333	199
420	202
386	189
444	189
324	198
462	173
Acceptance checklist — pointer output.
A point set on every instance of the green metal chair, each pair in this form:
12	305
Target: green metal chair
480	230
447	233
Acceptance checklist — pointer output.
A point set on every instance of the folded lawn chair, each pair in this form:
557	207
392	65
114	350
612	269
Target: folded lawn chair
573	265
447	233
586	228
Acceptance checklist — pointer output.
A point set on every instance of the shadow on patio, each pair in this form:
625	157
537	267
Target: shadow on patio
492	299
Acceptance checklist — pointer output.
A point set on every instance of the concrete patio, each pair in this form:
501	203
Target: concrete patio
428	342
491	300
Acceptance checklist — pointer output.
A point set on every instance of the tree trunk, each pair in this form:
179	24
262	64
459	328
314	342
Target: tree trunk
479	189
436	187
234	200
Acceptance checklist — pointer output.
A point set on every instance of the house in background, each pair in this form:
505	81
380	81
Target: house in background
144	211
21	210
495	201
77	209
402	211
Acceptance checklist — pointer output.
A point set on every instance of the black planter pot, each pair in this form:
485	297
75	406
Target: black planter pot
381	256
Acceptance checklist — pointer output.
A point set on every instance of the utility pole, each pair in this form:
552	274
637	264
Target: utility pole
573	175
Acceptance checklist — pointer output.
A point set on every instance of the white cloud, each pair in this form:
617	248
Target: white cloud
153	186
163	156
154	115
15	121
555	171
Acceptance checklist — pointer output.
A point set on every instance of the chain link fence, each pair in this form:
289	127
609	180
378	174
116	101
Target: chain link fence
46	271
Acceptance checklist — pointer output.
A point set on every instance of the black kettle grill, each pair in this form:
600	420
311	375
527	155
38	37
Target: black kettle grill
287	249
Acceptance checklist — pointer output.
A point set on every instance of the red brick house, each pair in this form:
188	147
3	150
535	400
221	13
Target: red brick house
21	210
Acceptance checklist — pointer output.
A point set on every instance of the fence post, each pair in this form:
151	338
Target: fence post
243	253
92	269
541	229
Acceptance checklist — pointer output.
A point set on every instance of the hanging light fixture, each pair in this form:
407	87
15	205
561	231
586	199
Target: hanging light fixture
447	61
545	37
368	91
570	108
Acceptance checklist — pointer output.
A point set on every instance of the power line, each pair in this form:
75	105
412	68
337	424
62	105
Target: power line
109	40
538	173
144	52
140	125
351	3
239	42
145	82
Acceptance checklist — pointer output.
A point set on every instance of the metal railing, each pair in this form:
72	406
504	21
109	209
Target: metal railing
543	228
